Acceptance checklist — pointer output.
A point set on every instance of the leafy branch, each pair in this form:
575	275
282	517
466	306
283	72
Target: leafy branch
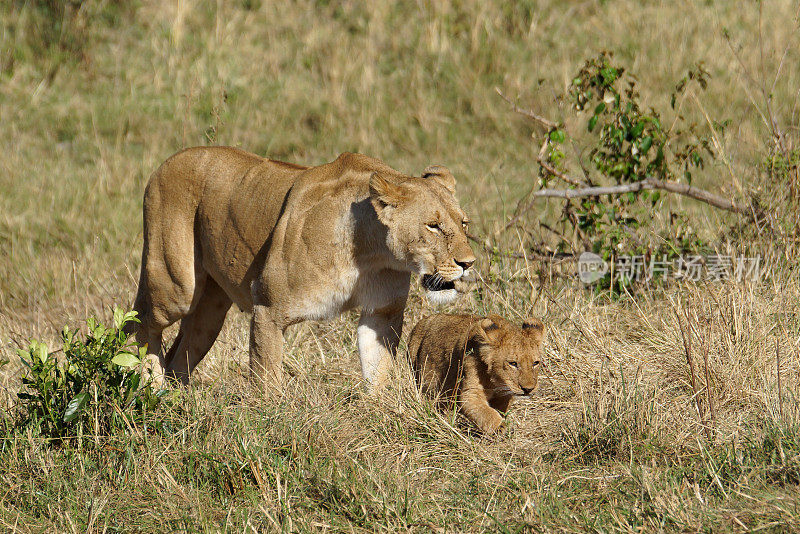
631	150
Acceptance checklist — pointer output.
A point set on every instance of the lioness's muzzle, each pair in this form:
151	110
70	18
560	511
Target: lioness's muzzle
434	282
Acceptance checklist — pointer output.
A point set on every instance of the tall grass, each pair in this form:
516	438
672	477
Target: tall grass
617	437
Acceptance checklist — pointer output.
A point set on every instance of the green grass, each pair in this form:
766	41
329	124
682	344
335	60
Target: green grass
92	103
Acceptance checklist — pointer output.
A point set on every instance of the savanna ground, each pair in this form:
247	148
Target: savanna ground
94	95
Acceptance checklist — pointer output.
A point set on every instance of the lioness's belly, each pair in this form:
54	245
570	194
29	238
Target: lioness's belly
347	289
236	217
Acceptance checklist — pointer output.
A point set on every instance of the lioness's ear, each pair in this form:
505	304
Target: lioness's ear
441	175
385	194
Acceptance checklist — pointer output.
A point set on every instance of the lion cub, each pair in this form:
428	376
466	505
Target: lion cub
479	363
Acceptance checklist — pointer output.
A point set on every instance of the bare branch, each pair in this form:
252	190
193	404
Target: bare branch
648	183
550	125
698	194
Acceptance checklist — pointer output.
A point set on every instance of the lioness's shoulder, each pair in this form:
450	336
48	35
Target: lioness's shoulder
359	163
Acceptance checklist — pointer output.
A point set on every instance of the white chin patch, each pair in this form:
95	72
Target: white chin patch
440	298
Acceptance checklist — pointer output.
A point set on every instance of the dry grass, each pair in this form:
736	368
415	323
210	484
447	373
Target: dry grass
617	438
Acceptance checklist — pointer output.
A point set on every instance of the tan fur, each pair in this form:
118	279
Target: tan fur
288	243
469	360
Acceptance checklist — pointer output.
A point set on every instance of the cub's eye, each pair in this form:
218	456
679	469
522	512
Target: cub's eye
537	363
464	224
515	365
435	228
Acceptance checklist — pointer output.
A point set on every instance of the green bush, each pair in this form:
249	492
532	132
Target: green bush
626	143
98	387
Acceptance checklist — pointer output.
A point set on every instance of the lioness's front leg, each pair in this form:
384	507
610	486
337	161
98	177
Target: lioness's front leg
378	336
266	349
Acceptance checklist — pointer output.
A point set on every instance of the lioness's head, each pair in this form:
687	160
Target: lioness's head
512	353
426	229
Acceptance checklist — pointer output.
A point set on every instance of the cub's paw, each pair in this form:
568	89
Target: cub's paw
490	423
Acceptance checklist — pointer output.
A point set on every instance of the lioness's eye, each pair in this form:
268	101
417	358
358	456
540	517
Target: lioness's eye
537	363
433	228
513	364
465	224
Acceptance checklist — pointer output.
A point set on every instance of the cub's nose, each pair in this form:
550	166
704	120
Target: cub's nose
464	264
526	391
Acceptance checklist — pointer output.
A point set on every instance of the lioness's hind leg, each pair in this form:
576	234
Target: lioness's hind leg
148	333
198	332
168	282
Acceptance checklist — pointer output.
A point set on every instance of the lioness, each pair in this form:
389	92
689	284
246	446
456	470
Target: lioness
479	363
290	243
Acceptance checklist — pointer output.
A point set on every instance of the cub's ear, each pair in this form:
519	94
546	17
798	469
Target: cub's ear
533	324
534	329
441	175
385	195
487	332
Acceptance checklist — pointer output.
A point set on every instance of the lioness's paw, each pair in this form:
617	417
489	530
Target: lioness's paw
152	371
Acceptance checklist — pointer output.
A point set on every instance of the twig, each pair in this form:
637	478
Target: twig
555	172
708	378
550	125
519	210
778	367
687	347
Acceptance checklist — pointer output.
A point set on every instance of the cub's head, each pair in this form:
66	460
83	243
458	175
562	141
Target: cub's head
426	229
512	353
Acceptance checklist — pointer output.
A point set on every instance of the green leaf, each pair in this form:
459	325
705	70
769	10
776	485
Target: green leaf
133	384
557	136
601	107
39	350
592	123
117	318
131	316
656	122
125	359
75	406
645	144
609	74
654	198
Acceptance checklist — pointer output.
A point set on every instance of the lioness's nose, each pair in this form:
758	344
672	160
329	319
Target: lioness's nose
526	391
464	264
